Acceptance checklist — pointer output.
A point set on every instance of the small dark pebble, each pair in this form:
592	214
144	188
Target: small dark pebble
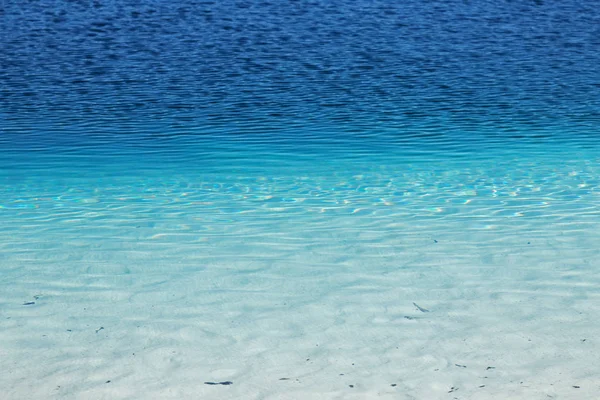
453	389
29	303
351	386
490	368
408	317
393	385
284	379
434	241
461	366
107	381
576	387
481	386
226	383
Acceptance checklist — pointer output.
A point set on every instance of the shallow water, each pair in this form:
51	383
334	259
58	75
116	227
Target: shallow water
297	197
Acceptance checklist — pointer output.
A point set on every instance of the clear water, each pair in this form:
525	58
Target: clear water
231	189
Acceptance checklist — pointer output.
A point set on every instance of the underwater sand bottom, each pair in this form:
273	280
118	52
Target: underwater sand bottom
442	318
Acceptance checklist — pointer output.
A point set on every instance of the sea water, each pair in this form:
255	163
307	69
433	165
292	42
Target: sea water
300	199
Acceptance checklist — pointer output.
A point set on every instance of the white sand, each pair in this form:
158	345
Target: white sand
152	300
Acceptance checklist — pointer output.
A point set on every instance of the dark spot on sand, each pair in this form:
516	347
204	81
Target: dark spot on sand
420	308
99	329
107	382
393	385
351	386
461	366
225	383
490	368
284	379
29	303
576	387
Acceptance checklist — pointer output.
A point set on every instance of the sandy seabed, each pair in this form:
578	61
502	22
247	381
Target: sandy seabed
443	317
319	294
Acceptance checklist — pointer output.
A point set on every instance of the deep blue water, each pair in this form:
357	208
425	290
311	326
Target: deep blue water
427	74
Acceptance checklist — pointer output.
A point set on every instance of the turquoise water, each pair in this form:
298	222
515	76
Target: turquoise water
305	199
